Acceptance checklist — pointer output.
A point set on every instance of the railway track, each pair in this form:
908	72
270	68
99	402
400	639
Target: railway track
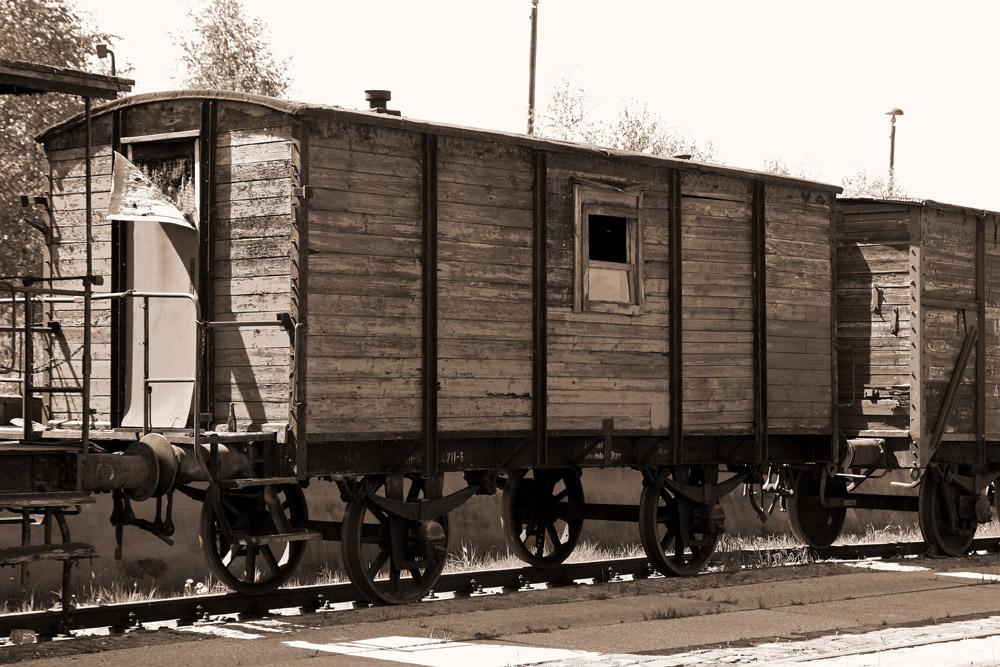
344	596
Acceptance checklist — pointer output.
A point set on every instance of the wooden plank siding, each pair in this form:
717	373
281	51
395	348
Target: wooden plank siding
484	281
351	259
717	288
873	276
948	242
923	258
257	164
364	365
799	276
992	329
255	168
66	256
607	365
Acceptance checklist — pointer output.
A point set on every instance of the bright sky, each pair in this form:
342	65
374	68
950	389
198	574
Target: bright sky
807	82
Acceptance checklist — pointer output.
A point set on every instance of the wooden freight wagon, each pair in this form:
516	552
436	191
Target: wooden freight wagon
385	300
918	286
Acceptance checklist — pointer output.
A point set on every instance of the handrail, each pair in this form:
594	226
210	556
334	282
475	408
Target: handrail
42	295
49	295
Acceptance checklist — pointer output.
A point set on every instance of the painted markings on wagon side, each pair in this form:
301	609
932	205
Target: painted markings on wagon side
432	652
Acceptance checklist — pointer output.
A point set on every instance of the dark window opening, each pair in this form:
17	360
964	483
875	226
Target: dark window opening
170	165
608	238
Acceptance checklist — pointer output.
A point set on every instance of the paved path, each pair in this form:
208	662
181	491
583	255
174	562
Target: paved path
824	614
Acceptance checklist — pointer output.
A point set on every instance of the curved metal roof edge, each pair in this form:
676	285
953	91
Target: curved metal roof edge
284	106
915	201
319	110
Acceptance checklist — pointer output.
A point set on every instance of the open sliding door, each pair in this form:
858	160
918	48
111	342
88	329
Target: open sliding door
162	257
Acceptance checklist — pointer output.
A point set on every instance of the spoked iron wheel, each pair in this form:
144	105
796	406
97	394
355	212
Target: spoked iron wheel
531	501
810	521
392	560
678	535
938	513
263	511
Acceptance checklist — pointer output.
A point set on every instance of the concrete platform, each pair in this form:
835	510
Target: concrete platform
712	618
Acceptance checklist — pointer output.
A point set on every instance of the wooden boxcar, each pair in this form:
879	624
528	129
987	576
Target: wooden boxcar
918	290
395	299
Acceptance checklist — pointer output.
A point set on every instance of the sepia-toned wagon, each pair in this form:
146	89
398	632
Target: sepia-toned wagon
377	301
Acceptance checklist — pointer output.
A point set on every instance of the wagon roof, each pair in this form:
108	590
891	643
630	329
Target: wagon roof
18	77
908	201
372	118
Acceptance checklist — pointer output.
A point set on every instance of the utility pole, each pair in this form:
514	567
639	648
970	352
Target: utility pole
531	67
892	149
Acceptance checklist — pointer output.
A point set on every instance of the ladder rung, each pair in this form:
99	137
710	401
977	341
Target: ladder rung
48	389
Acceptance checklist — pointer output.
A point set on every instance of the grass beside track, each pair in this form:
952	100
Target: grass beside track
734	552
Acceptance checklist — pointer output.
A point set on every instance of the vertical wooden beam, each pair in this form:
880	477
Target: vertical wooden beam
88	291
981	342
759	254
27	429
300	294
539	318
836	217
676	316
429	300
916	333
206	247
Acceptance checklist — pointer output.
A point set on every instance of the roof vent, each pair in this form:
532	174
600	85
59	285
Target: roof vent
378	100
683	156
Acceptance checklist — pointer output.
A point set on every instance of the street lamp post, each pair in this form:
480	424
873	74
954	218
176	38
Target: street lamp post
531	67
892	148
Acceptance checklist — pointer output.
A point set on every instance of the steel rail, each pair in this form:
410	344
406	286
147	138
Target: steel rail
191	608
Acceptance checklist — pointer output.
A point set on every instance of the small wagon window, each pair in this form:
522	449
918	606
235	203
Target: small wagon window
609	251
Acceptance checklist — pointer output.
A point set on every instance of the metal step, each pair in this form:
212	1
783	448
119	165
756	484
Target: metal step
256	481
41	500
36	552
293	536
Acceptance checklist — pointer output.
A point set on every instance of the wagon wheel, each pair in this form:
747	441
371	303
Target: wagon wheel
678	534
810	522
940	523
247	568
392	560
531	523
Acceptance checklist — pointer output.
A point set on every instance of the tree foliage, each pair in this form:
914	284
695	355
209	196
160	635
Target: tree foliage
230	50
49	32
865	184
776	165
569	117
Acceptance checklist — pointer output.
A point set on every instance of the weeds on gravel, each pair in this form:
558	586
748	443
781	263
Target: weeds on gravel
734	552
671	613
469	559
